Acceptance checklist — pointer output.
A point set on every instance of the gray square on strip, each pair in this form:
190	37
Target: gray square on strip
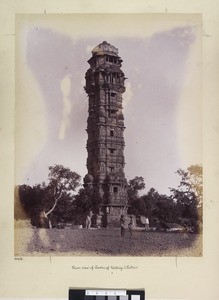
100	297
112	298
126	297
135	297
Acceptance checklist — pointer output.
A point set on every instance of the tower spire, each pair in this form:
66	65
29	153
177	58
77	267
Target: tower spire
105	127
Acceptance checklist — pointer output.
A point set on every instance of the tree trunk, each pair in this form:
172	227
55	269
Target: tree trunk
51	210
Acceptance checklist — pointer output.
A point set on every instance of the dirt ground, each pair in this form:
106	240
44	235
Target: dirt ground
104	242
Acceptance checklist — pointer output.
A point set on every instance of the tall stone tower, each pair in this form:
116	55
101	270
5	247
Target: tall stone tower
105	127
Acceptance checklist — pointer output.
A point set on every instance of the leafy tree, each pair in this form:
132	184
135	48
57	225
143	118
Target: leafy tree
160	209
87	199
134	186
64	210
62	181
191	185
150	200
52	202
189	194
31	198
165	210
145	204
137	207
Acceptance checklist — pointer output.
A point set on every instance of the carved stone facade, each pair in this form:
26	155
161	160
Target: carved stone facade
105	127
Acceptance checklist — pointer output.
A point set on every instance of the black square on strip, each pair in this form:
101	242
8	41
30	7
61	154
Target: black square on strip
76	295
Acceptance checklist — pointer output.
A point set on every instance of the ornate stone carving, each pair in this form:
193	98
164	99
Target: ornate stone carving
105	126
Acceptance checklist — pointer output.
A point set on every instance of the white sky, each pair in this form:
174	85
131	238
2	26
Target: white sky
162	103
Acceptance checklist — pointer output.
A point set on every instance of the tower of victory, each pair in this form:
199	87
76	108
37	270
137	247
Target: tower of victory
105	128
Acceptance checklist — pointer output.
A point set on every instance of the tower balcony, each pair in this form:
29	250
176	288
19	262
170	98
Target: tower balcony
101	157
115	140
113	103
121	121
118	87
117	159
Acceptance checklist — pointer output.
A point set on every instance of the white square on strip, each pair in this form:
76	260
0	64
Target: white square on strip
124	297
135	297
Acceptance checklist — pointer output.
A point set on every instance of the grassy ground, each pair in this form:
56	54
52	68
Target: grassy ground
102	242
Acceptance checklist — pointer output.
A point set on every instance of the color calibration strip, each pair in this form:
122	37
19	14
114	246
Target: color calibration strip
105	292
126	297
106	295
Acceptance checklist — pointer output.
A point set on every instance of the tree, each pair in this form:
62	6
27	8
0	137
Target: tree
53	201
191	185
146	204
62	184
31	198
137	207
150	200
189	194
195	179
160	209
87	199
134	186
61	181
165	210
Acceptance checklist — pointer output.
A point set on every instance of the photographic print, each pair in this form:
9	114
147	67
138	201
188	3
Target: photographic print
108	135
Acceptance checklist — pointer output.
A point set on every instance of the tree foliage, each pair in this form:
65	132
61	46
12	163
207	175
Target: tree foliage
56	201
183	206
189	195
53	201
157	207
62	183
134	186
190	188
87	199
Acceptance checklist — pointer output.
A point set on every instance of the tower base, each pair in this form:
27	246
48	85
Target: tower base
112	215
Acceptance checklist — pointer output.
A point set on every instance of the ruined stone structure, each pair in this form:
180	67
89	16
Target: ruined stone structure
105	127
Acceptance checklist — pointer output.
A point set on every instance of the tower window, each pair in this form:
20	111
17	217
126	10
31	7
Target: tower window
113	94
112	169
112	151
112	111
115	189
113	78
111	133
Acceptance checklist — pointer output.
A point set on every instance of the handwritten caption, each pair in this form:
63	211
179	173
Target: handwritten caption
105	268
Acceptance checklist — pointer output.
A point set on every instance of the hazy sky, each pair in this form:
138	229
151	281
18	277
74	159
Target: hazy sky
162	103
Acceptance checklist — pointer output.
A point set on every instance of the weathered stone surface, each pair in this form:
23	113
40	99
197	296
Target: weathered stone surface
105	127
